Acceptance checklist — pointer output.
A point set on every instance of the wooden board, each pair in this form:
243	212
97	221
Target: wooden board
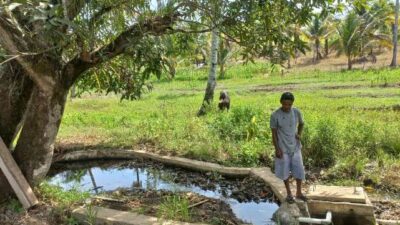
15	178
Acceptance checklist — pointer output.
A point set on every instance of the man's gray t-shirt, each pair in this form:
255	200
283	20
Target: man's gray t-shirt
286	124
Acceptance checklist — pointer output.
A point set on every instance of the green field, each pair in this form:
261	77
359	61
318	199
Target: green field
352	120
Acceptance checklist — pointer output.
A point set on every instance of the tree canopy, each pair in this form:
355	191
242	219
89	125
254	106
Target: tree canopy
85	35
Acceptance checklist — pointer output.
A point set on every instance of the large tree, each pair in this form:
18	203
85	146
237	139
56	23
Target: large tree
50	45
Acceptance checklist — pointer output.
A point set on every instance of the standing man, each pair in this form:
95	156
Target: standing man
287	125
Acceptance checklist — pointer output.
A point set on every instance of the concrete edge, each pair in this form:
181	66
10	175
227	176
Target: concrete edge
387	222
319	207
271	180
101	215
169	160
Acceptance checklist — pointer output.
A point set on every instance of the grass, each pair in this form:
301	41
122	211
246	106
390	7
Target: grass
63	199
15	206
350	117
174	208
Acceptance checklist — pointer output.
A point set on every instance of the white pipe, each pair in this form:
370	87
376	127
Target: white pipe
388	222
327	220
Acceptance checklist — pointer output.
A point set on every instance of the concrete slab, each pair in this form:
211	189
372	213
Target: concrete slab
337	194
344	212
111	217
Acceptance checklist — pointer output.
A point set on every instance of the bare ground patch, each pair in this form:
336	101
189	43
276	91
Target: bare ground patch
363	95
380	108
41	214
301	86
387	210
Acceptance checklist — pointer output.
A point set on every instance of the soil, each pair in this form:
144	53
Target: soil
387	210
42	214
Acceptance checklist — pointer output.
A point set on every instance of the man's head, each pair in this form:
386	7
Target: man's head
287	100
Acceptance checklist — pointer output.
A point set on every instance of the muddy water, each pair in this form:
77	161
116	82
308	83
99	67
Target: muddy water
242	196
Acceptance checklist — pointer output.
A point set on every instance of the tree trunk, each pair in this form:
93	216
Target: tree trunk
204	55
317	45
211	83
72	92
349	63
34	150
224	49
222	70
15	90
395	33
326	47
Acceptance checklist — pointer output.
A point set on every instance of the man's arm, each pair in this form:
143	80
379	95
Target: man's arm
299	131
278	151
300	126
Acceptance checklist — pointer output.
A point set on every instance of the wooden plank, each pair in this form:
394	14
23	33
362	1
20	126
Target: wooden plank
15	178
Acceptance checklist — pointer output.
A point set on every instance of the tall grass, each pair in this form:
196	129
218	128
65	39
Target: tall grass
174	207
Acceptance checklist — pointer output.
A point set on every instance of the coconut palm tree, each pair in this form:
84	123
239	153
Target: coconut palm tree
381	10
349	37
356	34
314	33
329	28
320	28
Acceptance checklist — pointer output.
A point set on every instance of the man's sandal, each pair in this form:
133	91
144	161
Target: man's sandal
290	199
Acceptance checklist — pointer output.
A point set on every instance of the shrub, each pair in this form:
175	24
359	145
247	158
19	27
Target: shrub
362	136
391	143
242	123
249	153
325	143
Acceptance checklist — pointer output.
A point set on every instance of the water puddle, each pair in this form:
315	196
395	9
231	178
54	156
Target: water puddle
249	200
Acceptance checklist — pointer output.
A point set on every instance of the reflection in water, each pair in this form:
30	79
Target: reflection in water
137	184
95	187
109	179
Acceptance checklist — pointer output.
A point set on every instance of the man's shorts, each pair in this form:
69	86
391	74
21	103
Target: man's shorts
287	164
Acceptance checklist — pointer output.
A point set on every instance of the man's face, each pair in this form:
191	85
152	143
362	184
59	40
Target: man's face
286	105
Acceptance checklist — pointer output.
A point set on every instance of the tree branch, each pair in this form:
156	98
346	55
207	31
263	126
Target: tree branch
192	31
132	36
45	83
